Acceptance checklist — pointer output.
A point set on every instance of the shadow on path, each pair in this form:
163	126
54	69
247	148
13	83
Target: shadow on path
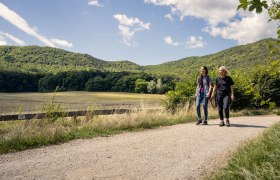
240	126
246	125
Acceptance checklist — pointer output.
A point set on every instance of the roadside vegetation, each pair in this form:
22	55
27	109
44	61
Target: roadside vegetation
255	88
257	159
26	134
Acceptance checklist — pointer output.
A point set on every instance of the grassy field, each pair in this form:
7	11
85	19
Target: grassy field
78	100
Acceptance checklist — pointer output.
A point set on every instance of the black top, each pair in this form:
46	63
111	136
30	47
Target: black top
223	85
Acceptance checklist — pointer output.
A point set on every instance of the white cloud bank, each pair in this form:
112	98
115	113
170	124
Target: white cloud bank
192	42
129	26
20	23
223	19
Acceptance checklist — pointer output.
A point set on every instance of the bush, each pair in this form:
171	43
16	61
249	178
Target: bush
266	81
183	93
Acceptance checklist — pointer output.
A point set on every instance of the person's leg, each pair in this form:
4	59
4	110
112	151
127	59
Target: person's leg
220	109
205	109
226	102
198	102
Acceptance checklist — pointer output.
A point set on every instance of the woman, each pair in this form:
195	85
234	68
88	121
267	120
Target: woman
224	86
203	93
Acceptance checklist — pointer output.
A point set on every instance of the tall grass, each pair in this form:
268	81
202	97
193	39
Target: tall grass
258	159
20	135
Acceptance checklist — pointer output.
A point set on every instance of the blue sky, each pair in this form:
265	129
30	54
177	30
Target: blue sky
145	32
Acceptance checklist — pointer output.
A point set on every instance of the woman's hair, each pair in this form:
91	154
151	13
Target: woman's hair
225	69
201	77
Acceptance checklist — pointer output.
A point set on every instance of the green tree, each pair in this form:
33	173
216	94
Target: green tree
152	87
266	81
159	86
184	92
96	84
141	86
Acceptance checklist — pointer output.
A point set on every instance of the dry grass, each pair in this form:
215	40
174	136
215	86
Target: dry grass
78	100
19	135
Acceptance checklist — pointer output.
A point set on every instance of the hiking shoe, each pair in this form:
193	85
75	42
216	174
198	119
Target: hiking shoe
198	122
222	123
205	123
227	123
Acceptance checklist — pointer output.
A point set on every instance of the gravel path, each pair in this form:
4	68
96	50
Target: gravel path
184	151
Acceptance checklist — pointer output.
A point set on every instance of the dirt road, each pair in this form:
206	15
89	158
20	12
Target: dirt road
184	151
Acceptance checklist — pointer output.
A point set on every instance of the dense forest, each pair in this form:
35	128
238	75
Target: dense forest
11	81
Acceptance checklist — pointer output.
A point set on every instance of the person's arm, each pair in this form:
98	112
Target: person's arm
232	92
214	91
209	94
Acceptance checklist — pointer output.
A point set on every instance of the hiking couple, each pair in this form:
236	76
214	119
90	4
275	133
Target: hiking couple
223	85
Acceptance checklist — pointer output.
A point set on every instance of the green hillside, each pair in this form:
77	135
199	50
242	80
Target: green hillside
53	60
238	57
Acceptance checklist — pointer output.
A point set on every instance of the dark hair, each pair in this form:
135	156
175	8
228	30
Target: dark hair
201	77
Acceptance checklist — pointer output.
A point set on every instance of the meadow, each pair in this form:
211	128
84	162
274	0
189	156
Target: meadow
76	100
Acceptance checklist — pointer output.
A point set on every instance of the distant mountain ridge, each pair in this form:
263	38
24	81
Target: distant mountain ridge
52	60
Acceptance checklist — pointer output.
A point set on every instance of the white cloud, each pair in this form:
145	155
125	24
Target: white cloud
169	40
129	26
20	23
169	16
223	19
194	42
213	11
13	38
2	41
124	20
62	42
95	3
250	28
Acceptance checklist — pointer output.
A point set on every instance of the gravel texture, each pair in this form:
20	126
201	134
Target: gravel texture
184	151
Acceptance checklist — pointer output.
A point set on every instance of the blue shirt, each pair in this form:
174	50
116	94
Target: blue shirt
206	85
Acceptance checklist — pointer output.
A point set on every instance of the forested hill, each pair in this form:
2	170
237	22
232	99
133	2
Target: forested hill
239	57
52	60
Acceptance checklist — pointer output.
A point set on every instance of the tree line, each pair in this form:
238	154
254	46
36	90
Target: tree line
11	81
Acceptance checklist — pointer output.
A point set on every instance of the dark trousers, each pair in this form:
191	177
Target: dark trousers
223	103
